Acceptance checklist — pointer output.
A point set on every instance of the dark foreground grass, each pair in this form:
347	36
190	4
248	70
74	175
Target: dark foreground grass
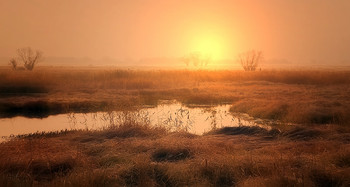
140	155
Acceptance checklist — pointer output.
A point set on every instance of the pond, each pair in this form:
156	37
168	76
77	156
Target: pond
171	114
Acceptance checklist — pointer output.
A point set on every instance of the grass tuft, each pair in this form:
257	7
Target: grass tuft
170	155
343	160
323	178
218	175
302	133
147	175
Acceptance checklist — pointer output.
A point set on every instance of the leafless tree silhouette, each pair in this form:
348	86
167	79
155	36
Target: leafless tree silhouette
197	59
28	57
13	63
250	60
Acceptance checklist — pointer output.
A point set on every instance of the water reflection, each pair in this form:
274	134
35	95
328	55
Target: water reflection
172	115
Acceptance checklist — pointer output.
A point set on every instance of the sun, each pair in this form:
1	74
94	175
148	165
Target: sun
209	45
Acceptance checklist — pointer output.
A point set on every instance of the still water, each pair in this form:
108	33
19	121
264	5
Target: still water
171	114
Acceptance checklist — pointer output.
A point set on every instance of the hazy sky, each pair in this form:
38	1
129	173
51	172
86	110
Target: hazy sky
292	29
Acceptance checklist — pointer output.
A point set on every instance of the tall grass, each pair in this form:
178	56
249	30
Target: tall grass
143	79
131	153
310	96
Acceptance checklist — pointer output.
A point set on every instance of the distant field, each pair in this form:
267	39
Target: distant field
310	96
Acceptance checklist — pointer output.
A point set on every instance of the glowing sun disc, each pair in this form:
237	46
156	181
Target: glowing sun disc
209	45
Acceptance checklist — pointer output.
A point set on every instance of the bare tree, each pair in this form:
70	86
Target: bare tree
250	60
29	57
13	63
197	59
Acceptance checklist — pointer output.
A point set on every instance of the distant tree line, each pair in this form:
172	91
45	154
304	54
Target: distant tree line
249	60
197	59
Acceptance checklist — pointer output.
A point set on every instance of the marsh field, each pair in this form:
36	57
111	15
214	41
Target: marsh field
300	135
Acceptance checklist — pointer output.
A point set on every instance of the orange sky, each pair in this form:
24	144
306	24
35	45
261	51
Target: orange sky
296	30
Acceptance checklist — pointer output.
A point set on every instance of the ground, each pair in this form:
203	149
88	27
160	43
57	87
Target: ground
308	147
137	155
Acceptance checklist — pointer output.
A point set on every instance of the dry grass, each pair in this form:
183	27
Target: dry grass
309	97
154	157
131	153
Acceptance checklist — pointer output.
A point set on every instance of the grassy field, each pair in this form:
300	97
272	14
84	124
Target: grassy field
314	151
139	155
320	97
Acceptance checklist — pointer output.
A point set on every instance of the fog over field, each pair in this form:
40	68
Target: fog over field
175	93
85	32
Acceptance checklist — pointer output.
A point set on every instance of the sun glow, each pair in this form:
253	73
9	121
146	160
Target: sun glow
209	45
